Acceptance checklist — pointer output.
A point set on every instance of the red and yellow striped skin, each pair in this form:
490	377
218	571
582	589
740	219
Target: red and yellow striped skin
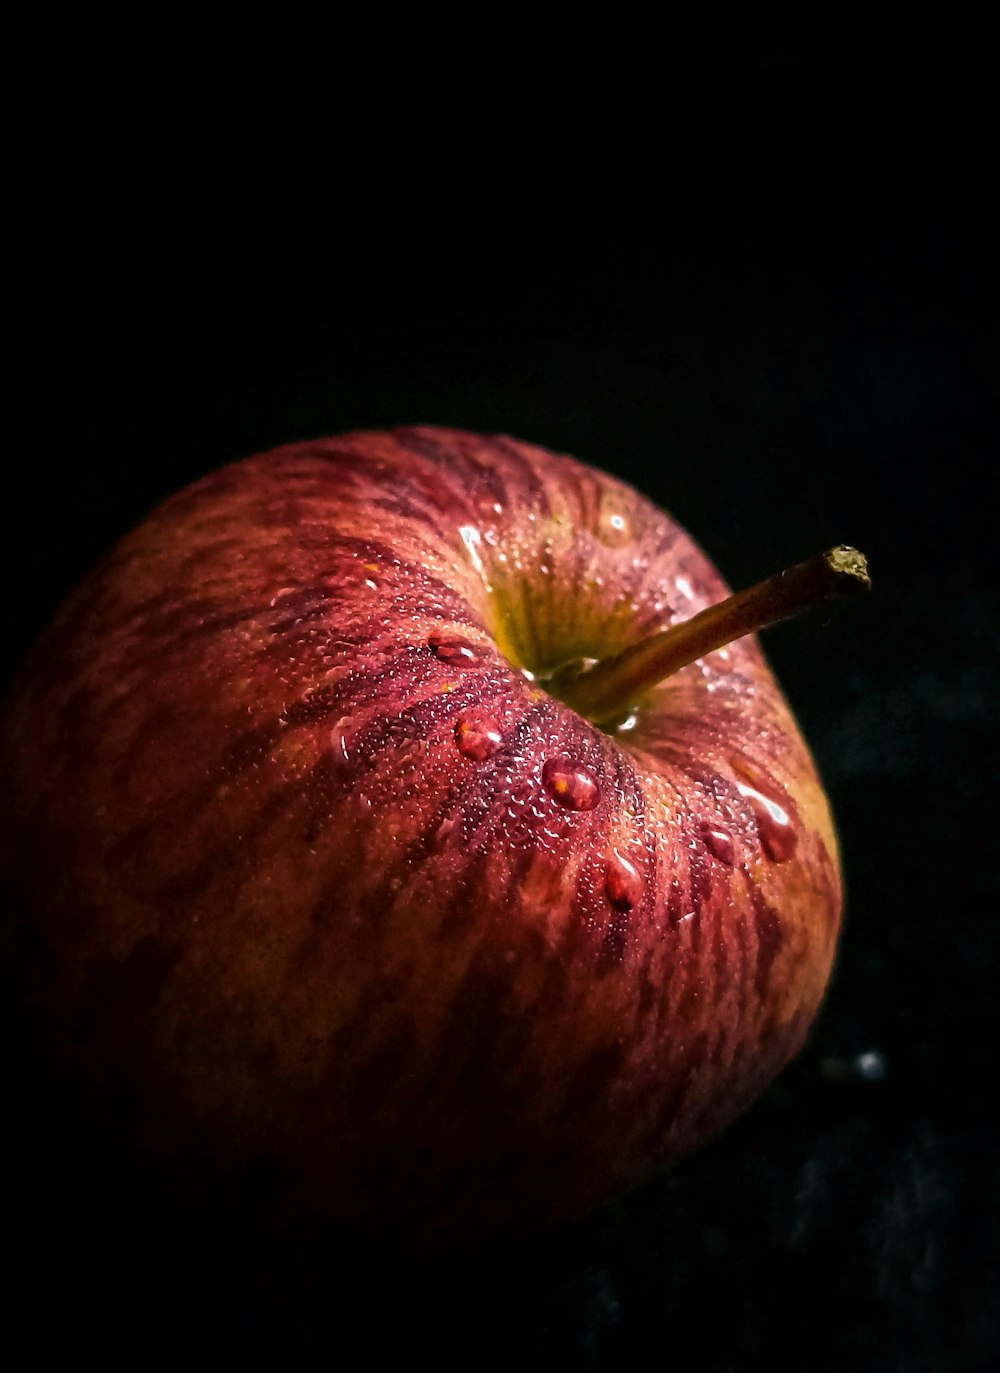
306	874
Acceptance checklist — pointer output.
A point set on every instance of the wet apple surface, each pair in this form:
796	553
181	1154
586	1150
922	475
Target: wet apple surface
313	872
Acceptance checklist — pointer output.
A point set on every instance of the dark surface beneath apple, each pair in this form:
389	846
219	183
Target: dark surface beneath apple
787	341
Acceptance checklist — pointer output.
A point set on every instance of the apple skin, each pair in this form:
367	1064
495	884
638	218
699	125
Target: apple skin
304	878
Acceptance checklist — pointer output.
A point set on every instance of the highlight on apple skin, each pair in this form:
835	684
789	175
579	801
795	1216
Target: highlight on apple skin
307	868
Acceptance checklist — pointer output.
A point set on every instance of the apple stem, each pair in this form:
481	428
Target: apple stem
609	687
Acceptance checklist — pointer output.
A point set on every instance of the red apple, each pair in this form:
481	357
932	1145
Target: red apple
312	868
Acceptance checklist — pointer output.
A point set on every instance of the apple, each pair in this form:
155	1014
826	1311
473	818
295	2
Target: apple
390	818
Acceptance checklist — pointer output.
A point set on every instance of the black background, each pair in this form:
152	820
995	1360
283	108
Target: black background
769	299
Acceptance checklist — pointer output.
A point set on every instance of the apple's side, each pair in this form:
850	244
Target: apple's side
303	873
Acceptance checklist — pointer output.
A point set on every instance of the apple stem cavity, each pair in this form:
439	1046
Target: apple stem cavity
607	689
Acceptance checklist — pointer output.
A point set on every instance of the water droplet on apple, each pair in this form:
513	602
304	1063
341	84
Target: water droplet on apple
471	538
477	738
451	649
340	740
774	824
570	783
622	883
614	528
720	845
